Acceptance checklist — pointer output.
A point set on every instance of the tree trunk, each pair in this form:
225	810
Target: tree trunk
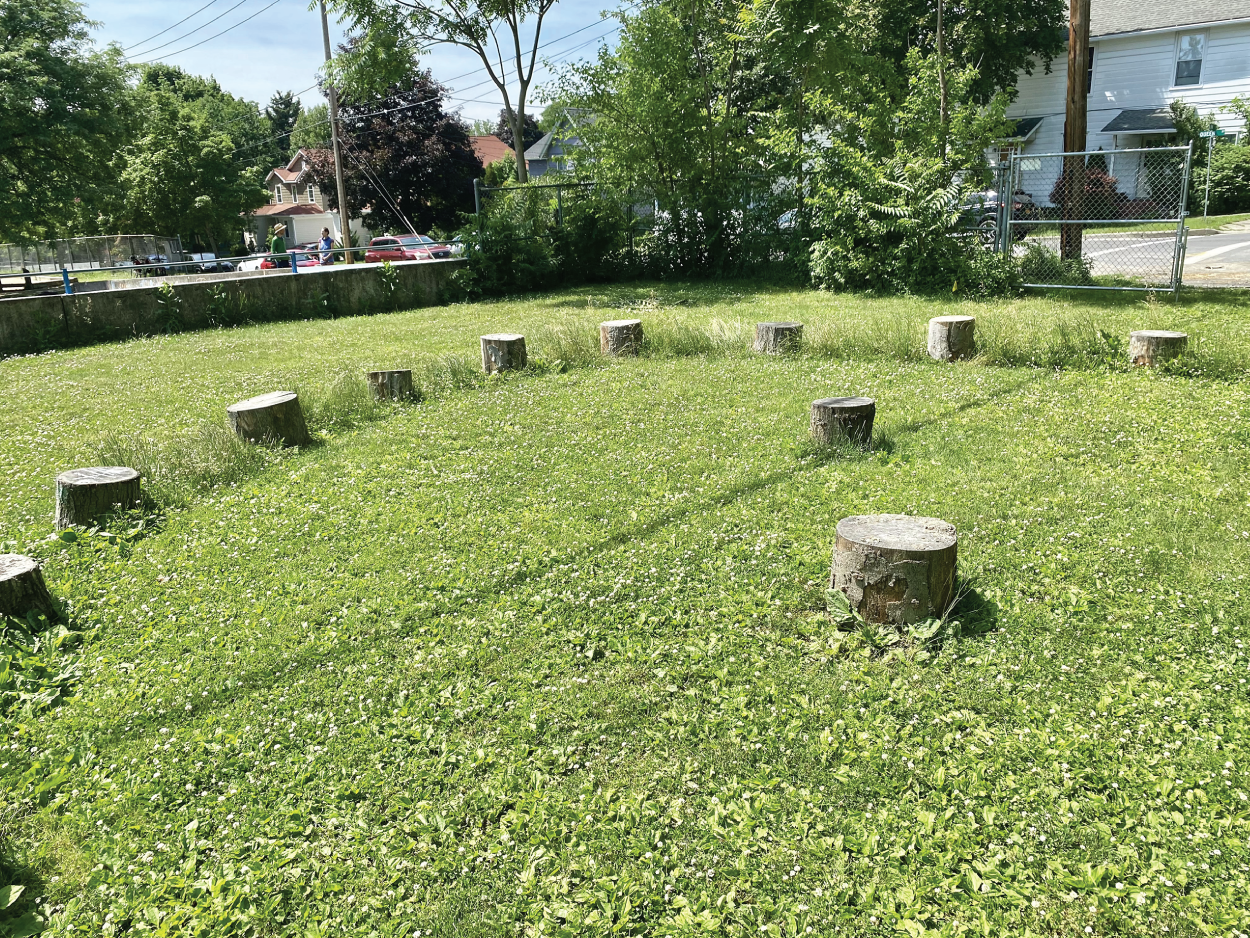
23	591
952	337
503	352
620	337
276	416
844	418
83	495
895	569
1151	347
391	385
773	338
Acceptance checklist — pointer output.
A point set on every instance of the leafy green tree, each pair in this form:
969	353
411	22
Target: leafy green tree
283	112
312	129
64	112
530	131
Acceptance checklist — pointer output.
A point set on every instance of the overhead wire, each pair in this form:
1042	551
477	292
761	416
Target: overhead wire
144	42
190	32
215	35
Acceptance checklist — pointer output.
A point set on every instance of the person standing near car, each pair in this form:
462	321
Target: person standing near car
327	247
277	247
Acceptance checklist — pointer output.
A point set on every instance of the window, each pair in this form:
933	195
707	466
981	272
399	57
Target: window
277	194
312	193
1189	58
1089	72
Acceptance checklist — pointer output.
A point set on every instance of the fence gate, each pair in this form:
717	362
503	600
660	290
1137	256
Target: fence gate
1099	220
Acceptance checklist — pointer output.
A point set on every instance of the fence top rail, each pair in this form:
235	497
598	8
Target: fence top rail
1037	156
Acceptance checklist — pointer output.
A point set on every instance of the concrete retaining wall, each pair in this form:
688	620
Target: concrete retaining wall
132	308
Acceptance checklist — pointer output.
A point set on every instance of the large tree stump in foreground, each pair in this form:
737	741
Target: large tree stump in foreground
844	418
22	589
895	569
503	352
273	416
391	385
1149	347
773	338
82	495
952	337
620	337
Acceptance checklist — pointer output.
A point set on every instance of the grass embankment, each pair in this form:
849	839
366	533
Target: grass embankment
548	654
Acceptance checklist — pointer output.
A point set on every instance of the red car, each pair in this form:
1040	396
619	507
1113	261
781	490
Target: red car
307	254
425	243
393	249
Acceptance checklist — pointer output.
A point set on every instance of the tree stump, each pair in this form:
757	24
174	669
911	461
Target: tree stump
620	337
844	418
895	569
82	495
773	338
391	385
1150	347
22	589
503	352
952	337
273	416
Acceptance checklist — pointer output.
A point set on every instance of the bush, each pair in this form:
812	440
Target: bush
1042	265
508	255
1102	196
588	243
1230	180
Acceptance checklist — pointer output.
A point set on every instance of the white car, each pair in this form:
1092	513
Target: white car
252	263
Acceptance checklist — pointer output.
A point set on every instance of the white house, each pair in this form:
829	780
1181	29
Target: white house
298	203
1144	54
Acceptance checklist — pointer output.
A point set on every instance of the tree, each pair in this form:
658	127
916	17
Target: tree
391	35
181	176
283	113
64	112
405	157
312	129
530	132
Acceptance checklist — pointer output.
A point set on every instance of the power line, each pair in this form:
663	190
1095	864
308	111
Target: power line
215	35
144	42
190	32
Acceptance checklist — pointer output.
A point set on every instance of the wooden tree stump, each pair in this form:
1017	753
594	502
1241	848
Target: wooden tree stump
620	337
391	385
82	495
273	416
895	569
773	338
952	337
22	589
503	352
1150	347
844	418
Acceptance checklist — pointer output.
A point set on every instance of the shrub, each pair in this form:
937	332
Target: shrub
1230	180
507	255
1042	265
587	244
1101	194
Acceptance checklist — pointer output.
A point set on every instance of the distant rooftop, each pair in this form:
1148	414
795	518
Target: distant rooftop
1111	17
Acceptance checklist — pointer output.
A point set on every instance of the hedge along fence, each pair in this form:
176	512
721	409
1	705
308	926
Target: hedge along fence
37	324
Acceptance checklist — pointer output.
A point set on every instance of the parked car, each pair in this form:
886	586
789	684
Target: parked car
306	255
393	249
980	213
425	242
208	264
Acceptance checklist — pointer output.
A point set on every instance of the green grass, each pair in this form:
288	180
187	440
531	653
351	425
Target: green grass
549	654
1194	220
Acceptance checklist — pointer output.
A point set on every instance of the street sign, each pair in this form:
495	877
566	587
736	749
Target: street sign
1211	133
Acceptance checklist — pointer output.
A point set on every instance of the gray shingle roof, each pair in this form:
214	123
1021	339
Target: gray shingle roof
1109	17
1141	120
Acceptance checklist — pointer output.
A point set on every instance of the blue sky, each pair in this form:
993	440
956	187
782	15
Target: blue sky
280	48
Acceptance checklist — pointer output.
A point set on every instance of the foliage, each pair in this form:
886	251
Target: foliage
1230	180
1099	188
1240	106
501	172
64	111
283	113
509	254
530	131
589	243
1041	264
312	129
404	156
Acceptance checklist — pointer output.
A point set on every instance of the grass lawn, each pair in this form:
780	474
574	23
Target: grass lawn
1193	220
549	654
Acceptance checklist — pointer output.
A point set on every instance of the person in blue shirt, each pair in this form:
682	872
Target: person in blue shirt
327	247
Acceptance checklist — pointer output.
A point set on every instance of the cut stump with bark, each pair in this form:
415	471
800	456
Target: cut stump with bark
1150	347
952	337
620	337
83	495
895	569
22	589
391	385
773	338
503	352
844	418
274	416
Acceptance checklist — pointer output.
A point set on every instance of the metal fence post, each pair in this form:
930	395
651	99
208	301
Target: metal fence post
1178	253
69	287
477	202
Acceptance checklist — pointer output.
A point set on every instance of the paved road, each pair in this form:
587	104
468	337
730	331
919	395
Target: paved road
1221	259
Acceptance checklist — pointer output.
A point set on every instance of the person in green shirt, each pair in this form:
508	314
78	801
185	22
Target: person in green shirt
277	247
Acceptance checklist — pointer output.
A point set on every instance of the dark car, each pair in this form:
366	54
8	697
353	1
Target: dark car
980	213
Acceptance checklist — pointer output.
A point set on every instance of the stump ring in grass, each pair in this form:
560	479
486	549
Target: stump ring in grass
895	569
1150	347
276	416
620	337
844	418
83	495
22	589
773	338
503	351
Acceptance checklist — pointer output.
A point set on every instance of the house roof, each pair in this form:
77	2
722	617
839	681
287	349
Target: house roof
1113	17
1025	127
1142	120
541	147
489	148
302	208
287	173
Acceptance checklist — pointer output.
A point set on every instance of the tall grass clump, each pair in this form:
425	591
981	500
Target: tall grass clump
675	339
896	333
345	403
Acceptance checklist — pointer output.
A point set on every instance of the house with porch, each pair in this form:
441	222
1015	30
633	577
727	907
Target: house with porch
1144	54
297	202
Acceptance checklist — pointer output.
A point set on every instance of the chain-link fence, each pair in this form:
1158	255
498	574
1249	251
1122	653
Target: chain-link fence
1099	219
89	253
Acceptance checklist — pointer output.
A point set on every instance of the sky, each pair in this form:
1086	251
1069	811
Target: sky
276	45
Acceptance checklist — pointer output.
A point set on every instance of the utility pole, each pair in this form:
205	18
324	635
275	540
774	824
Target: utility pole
345	224
1074	127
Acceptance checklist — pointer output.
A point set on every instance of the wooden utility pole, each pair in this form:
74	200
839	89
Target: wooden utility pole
345	216
1074	127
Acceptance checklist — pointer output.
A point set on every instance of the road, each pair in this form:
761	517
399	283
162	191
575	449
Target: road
1221	259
